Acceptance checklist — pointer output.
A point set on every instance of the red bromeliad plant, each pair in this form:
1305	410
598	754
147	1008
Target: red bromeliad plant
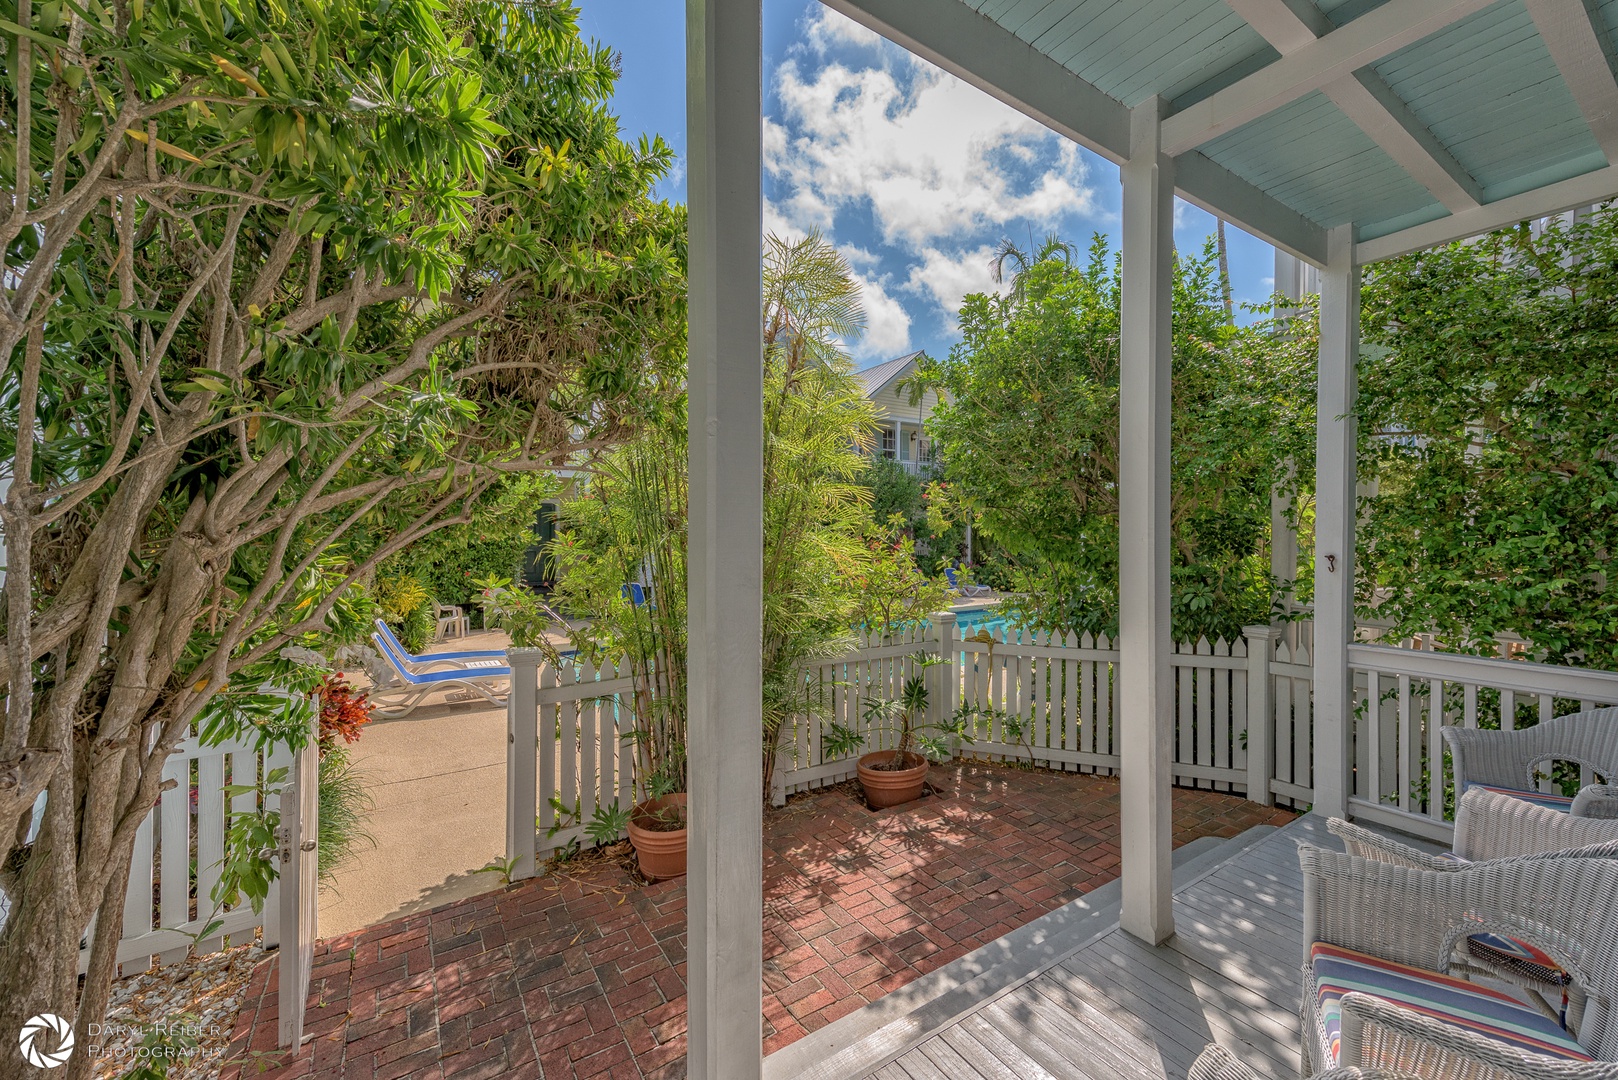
343	711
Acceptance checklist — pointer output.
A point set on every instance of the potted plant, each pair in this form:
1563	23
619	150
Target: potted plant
630	527
897	776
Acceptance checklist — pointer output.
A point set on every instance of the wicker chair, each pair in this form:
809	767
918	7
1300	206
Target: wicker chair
1414	919
1217	1063
1511	759
1488	825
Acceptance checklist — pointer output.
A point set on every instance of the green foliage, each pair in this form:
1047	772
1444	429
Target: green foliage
289	288
344	805
521	614
630	526
449	562
940	538
905	715
1028	433
607	825
164	1046
894	593
1488	398
244	872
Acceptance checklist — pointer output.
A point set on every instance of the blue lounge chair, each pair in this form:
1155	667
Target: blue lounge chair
478	658
636	594
964	590
491	682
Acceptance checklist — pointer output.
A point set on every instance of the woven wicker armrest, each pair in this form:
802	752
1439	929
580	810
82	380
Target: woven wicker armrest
1489	825
1372	845
1599	801
1217	1063
1379	1034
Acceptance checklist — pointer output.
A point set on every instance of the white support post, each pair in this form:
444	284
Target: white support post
522	760
1146	698
1260	712
1335	439
725	882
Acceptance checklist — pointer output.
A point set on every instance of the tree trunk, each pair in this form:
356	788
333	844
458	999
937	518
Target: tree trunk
39	948
1224	268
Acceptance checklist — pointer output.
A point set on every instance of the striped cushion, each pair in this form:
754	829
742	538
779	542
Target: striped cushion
1538	798
1474	1008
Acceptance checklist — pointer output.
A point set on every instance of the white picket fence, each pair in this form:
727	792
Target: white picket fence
1061	690
177	859
1243	719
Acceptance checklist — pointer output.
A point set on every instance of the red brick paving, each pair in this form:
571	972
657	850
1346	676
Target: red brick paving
582	973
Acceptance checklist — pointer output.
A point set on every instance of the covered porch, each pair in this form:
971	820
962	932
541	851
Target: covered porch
1343	134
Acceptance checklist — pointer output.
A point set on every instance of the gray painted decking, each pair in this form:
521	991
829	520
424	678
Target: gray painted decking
1119	1009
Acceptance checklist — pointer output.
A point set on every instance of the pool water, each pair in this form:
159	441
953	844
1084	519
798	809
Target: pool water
972	620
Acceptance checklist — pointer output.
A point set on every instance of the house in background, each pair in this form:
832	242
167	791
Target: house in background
902	437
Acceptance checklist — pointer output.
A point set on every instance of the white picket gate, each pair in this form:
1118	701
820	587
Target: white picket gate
567	756
179	849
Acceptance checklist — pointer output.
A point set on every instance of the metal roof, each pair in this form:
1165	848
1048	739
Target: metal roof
1416	121
880	375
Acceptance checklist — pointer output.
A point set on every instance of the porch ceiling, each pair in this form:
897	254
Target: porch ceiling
1419	121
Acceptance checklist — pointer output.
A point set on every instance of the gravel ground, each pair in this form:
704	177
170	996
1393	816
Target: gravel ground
203	994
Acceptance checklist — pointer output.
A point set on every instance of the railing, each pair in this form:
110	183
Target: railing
1404	697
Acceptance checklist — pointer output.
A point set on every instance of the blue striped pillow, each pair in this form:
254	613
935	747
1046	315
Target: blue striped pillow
1477	1009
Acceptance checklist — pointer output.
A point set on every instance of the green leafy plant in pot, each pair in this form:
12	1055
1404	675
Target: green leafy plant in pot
630	528
897	776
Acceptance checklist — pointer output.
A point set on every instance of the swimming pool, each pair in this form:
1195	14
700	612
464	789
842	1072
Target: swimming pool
972	620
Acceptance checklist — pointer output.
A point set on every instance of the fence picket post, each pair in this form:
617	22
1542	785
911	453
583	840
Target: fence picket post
1260	712
522	754
944	699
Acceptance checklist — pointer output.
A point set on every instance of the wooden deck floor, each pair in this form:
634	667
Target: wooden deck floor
1120	1010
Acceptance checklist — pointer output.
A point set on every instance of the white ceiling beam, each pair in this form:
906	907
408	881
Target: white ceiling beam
979	51
1313	66
1577	41
1593	187
1210	186
1365	98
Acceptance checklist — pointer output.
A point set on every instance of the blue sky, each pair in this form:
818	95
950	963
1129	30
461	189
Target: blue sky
913	174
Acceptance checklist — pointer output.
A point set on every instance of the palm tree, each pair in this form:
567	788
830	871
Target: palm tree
1008	253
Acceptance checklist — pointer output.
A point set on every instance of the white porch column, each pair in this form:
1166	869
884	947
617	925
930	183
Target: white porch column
1335	437
1146	699
725	885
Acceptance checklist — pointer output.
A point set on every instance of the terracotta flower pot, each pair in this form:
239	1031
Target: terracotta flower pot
891	787
660	852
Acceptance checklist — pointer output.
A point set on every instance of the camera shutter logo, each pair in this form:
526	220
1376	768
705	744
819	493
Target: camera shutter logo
38	1057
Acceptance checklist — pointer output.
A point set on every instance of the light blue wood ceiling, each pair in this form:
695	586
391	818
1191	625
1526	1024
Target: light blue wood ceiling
1485	89
1490	92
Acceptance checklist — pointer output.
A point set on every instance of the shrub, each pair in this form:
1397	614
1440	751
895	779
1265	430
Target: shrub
343	711
344	805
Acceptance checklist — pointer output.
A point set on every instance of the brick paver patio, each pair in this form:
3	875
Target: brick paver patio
581	973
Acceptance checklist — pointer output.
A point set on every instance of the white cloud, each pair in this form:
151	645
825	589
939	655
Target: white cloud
931	156
887	323
947	279
830	29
